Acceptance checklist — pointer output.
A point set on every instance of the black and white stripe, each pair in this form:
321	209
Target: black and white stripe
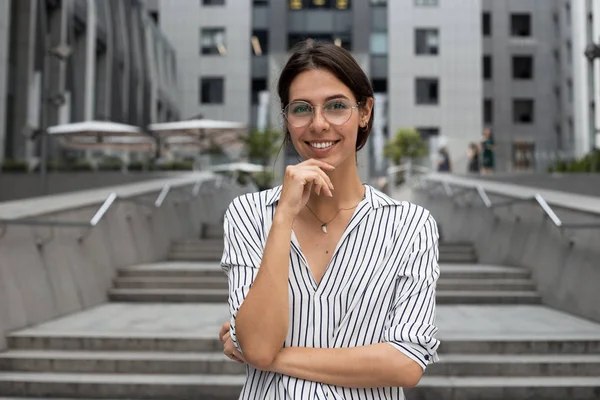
379	287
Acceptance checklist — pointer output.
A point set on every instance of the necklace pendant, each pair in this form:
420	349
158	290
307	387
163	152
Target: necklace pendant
324	228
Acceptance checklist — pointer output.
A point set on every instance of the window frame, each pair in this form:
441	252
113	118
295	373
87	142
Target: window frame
427	79
206	79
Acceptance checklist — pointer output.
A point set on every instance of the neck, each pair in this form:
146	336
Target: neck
348	190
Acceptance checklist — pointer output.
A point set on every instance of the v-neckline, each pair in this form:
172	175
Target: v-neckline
318	287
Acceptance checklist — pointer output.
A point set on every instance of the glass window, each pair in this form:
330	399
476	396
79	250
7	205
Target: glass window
523	111
487	67
487	24
258	85
379	3
520	25
379	85
334	4
522	67
212	90
213	2
260	42
260	2
426	3
213	41
426	41
427	91
488	111
379	43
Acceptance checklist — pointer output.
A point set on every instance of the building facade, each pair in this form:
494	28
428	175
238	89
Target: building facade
100	60
446	68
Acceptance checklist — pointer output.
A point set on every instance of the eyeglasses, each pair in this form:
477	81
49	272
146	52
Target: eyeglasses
301	113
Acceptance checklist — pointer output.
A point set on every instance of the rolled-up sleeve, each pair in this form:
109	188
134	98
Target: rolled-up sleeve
240	262
411	324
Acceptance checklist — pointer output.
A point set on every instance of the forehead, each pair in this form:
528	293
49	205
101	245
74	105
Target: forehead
316	85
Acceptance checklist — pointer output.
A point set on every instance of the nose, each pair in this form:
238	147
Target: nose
319	123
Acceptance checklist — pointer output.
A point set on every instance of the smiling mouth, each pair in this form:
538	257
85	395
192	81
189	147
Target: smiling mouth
321	145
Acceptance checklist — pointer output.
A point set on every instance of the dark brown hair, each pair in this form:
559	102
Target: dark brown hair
309	55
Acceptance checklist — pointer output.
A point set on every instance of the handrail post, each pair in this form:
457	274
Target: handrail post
162	196
483	196
103	209
548	210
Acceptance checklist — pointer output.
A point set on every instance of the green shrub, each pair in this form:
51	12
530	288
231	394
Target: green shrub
588	163
110	164
14	166
176	166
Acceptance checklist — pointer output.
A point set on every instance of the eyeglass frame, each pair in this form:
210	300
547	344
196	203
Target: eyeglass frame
313	111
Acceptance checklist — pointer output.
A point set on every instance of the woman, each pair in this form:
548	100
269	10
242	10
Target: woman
487	150
444	163
331	282
473	155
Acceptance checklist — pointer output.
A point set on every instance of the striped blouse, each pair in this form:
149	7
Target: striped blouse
378	287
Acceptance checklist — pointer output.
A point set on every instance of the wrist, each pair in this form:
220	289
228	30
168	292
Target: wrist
283	218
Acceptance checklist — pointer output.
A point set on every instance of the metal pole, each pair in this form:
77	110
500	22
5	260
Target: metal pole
44	99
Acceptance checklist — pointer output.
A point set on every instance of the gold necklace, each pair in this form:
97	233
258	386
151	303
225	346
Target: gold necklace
324	224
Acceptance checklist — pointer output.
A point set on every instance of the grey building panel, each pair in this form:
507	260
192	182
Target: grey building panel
4	66
260	17
379	19
379	67
260	67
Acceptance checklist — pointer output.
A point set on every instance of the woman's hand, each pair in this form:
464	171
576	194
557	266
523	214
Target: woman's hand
298	183
228	347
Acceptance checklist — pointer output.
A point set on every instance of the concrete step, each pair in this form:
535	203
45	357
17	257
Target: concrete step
503	388
175	269
122	386
113	342
477	271
179	256
516	365
487	297
507	345
150	282
457	258
456	248
169	295
55	361
217	241
449	284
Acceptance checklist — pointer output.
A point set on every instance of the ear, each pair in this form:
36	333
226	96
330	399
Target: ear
365	112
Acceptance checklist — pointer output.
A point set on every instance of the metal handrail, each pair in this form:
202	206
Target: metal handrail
537	198
98	215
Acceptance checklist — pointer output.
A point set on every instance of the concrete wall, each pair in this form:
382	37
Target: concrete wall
42	282
458	116
15	186
566	276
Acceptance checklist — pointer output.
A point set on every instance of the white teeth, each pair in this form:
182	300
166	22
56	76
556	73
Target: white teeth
322	145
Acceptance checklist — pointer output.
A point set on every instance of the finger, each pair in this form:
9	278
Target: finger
225	337
318	163
321	180
321	173
224	328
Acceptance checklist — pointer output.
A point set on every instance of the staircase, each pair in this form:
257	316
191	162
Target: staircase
157	339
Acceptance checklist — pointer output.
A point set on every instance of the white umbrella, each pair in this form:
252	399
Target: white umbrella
238	167
225	134
95	128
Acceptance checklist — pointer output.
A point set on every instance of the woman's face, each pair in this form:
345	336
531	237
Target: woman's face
319	138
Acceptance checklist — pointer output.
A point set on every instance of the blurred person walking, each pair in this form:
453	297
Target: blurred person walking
444	163
473	154
487	150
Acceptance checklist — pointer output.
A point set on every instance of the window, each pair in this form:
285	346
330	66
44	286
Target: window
379	85
428	132
260	2
213	2
211	90
426	41
155	17
488	111
569	46
379	3
258	85
487	67
570	89
260	42
213	41
523	111
427	91
487	24
522	67
379	43
426	3
559	137
330	4
520	25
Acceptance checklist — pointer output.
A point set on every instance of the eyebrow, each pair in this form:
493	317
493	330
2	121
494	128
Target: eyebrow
332	97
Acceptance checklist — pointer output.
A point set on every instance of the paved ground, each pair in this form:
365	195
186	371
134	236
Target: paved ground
204	320
585	184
